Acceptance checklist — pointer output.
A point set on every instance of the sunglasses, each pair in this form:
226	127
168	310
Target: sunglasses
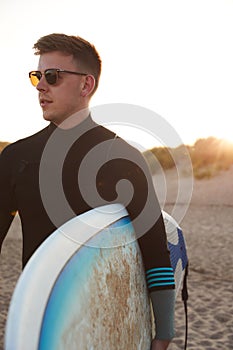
51	75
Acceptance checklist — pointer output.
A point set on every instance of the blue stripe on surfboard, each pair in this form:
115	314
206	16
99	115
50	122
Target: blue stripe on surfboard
82	265
120	222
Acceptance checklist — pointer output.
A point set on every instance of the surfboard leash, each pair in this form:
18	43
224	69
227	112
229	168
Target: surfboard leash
185	301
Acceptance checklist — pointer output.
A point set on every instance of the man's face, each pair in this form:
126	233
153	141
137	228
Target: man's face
61	100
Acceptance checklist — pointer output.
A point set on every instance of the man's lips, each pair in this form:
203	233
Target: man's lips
45	102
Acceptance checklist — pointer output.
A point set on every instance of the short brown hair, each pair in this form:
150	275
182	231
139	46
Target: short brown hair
83	52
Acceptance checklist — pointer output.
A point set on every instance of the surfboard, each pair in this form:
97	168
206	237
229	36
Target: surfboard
84	287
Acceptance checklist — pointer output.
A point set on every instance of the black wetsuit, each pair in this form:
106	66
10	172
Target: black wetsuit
97	154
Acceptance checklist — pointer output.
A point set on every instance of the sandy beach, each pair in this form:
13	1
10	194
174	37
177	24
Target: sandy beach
208	230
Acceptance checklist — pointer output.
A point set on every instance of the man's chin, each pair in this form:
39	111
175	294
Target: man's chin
47	117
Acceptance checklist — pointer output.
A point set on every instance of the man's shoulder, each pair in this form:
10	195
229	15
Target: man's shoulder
26	144
107	133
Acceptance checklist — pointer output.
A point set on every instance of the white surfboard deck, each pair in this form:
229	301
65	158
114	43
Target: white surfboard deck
84	288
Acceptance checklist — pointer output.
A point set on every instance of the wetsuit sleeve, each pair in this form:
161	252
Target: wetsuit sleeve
7	205
163	303
130	183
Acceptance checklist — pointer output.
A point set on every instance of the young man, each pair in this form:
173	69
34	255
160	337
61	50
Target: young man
67	77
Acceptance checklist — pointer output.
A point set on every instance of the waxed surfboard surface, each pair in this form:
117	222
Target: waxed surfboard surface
84	288
83	296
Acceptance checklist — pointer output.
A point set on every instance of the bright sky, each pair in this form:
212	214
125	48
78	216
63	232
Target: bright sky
174	57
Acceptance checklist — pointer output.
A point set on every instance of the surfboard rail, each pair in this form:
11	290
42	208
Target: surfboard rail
79	288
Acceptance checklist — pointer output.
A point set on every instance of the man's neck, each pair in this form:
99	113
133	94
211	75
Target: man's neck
75	119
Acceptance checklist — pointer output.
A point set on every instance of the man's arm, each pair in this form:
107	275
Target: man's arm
7	208
137	194
152	240
5	222
159	344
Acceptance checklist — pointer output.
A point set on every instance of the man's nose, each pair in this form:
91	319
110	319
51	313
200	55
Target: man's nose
42	84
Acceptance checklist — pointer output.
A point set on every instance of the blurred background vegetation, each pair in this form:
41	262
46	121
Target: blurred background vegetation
211	155
208	156
3	145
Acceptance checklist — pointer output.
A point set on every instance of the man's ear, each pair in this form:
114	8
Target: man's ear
88	85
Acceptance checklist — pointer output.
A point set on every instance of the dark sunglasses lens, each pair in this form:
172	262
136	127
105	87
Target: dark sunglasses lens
35	77
51	76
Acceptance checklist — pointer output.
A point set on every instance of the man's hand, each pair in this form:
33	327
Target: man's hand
159	344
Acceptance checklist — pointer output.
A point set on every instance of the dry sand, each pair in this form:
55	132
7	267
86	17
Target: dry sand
208	229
